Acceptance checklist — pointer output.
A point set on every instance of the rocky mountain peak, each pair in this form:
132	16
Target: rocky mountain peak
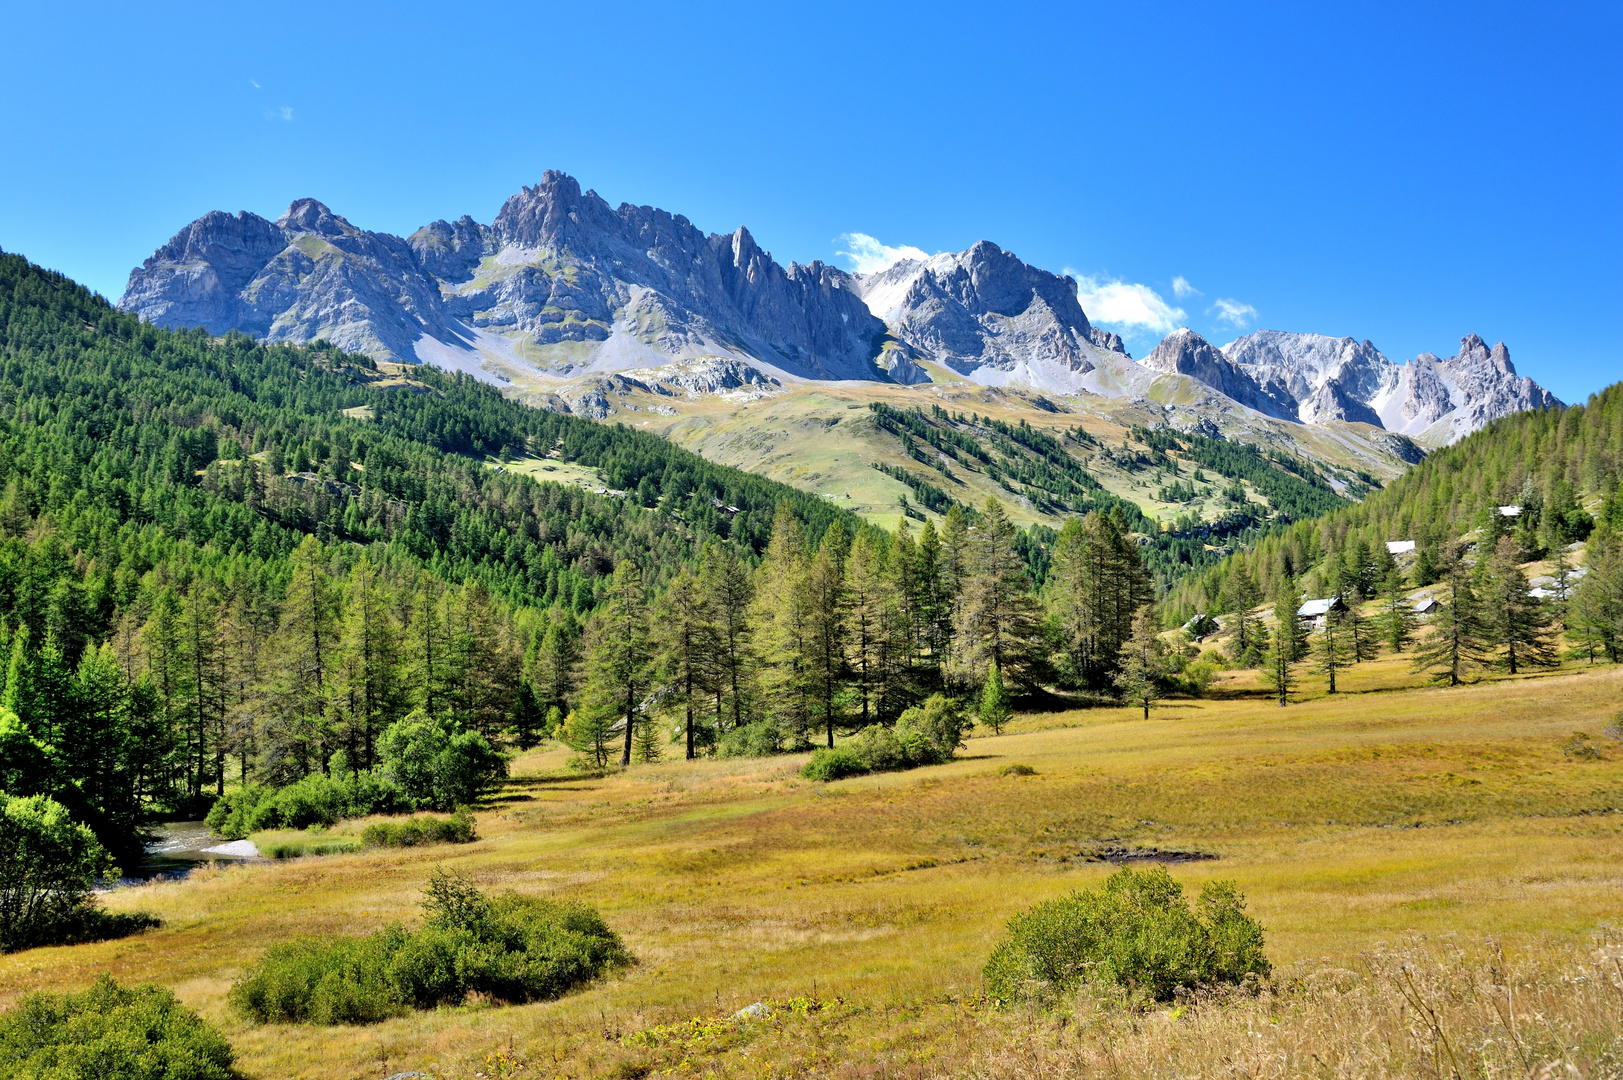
312	216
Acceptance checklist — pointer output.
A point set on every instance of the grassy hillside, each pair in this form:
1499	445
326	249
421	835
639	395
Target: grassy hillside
1445	829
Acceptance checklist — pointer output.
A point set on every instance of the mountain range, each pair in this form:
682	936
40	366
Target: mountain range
562	286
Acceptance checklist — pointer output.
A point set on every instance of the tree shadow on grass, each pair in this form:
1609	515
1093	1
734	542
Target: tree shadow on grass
86	924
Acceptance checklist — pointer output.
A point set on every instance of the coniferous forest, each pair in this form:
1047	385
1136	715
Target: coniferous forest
267	582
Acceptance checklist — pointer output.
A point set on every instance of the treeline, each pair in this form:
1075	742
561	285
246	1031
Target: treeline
193	532
842	633
1556	466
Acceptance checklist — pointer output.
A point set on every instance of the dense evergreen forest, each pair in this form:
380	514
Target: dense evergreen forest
269	580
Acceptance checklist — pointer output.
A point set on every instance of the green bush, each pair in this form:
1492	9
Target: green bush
439	764
414	831
926	734
1136	933
317	799
512	948
835	764
48	866
760	739
110	1033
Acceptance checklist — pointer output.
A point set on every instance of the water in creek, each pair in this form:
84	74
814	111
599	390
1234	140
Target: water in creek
179	847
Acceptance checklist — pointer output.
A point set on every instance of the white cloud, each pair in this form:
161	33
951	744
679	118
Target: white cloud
284	113
868	256
1237	314
1182	289
253	84
1126	305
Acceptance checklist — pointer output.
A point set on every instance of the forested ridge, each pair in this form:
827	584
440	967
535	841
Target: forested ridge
1558	471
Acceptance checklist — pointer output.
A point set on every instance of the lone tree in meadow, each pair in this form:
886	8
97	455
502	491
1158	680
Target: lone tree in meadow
1286	645
1332	647
1143	664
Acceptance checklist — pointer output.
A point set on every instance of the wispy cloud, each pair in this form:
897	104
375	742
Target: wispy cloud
867	255
283	113
254	84
1182	289
1126	305
1233	312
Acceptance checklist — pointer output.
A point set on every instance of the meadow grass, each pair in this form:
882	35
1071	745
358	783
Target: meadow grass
1393	824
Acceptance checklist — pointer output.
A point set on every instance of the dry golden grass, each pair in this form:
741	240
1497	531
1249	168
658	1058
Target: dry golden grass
1353	823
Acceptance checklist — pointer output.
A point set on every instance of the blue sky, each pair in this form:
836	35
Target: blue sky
1406	173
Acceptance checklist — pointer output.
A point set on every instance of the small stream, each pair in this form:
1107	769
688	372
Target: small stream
179	847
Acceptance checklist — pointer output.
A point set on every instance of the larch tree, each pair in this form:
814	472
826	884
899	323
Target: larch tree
1286	643
725	581
1515	621
686	643
828	603
999	619
1142	666
1457	644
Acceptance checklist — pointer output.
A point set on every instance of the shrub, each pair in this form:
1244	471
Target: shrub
48	866
926	734
135	1033
760	739
317	799
414	831
439	764
835	764
1017	770
301	844
511	948
1136	933
1579	748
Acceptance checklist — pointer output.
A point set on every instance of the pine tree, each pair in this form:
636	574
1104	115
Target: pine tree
1397	614
619	654
726	584
1143	664
994	701
204	680
999	619
1331	647
1238	597
871	621
556	657
828	604
1515	621
1286	642
369	682
1364	643
1456	645
955	562
1096	585
298	738
780	614
686	641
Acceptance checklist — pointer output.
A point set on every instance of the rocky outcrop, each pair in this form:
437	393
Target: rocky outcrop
1438	401
1445	400
985	313
1184	352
